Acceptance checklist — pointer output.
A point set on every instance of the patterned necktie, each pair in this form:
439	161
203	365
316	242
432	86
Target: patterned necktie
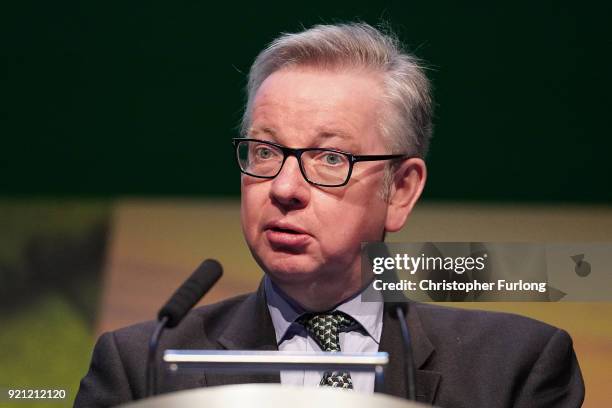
325	329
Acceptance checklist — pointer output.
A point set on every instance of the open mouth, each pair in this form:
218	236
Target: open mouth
285	230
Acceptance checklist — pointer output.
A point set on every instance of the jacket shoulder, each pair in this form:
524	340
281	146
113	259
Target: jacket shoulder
444	318
208	319
526	362
117	370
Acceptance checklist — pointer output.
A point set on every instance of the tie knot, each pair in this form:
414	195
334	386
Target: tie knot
325	328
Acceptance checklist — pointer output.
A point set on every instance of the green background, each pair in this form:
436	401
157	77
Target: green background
51	260
141	98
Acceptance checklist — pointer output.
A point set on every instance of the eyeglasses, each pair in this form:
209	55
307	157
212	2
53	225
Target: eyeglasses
321	167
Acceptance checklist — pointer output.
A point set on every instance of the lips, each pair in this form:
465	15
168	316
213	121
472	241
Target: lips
282	235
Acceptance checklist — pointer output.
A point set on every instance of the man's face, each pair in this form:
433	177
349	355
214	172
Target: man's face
298	232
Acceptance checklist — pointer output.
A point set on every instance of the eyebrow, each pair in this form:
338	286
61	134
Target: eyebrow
265	130
330	133
323	133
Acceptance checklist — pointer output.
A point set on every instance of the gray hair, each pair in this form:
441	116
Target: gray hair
407	126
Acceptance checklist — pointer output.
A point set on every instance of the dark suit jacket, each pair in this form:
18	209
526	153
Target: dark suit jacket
463	358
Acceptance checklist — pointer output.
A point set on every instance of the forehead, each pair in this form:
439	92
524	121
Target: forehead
307	105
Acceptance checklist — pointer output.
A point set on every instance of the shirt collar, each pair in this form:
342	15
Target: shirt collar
284	312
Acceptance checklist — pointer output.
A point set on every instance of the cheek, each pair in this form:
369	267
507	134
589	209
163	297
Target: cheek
250	200
353	220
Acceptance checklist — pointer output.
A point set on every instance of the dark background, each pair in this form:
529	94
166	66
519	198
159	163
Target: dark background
104	99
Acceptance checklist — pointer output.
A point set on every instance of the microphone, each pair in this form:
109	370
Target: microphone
399	310
185	297
190	292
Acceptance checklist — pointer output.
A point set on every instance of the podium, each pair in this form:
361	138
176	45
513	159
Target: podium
271	396
275	361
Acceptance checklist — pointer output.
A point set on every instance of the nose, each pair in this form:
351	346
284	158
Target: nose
289	189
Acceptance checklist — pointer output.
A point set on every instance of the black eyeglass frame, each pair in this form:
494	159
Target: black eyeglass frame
297	153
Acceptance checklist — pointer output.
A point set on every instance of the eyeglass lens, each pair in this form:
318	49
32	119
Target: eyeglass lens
320	166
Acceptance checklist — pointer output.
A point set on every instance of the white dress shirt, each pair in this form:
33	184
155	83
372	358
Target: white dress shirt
292	336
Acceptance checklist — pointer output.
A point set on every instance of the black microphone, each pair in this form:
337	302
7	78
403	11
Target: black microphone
190	292
185	297
400	310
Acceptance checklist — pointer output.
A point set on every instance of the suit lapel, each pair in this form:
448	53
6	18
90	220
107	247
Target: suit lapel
250	328
391	342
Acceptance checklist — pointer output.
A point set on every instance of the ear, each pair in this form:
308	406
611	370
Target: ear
408	183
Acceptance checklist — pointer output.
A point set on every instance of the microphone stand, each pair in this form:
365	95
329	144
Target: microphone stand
151	384
399	309
408	357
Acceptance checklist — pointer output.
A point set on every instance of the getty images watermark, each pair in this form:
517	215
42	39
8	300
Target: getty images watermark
485	271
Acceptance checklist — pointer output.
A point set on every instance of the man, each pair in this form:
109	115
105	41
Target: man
336	127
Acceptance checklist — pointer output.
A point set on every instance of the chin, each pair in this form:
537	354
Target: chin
289	269
290	272
290	279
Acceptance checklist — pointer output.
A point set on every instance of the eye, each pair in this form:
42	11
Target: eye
333	159
263	152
